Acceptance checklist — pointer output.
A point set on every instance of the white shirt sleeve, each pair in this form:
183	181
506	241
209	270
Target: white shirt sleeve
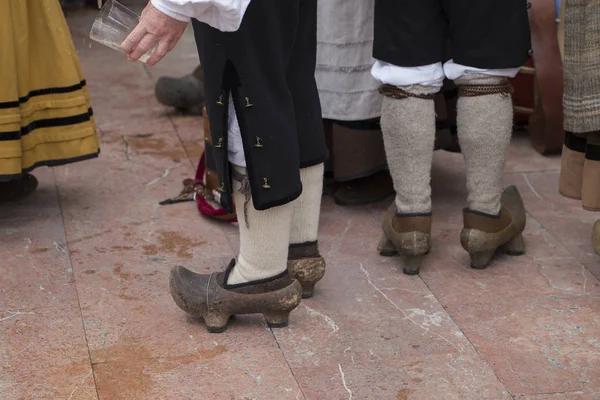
224	15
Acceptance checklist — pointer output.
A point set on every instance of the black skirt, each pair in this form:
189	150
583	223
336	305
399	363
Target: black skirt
268	67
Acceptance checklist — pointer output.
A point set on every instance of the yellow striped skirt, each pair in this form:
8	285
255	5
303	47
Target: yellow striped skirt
45	112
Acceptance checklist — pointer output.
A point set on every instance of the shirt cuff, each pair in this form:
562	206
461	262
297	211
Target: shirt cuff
165	7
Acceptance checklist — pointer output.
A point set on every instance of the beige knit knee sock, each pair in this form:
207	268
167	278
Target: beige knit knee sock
408	127
264	242
307	208
485	124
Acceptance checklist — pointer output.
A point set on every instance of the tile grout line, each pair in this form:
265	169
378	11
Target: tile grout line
530	216
533	171
565	248
287	362
75	285
468	339
560	243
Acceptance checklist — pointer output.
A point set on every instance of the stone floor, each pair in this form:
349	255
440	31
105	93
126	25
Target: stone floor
85	311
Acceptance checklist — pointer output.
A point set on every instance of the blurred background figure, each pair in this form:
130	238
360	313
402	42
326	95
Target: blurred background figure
580	170
186	93
351	102
45	112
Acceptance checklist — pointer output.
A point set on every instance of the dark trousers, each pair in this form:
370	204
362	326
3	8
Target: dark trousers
487	34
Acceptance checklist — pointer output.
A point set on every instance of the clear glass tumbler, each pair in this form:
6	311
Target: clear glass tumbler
113	24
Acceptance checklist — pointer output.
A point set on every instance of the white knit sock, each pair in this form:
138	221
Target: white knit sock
307	208
408	127
264	242
485	126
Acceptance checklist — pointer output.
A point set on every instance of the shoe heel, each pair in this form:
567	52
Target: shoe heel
516	246
277	319
216	322
308	290
412	264
386	248
308	272
481	260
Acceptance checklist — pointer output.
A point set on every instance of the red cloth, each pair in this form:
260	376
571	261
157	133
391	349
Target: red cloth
204	207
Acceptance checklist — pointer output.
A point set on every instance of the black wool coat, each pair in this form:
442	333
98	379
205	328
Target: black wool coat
268	67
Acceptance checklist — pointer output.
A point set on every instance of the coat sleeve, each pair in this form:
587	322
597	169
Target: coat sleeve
224	15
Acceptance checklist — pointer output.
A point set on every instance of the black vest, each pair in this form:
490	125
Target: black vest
268	67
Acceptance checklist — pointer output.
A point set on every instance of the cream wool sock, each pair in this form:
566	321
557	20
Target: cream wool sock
408	127
485	126
307	208
264	242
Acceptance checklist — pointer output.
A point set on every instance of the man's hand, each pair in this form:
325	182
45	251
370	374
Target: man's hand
154	28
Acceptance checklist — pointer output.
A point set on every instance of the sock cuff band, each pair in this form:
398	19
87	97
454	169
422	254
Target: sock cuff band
395	92
305	244
592	152
574	142
504	89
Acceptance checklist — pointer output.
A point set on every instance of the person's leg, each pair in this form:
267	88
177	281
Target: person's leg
494	217
409	46
185	93
590	192
264	235
408	125
360	166
485	116
487	50
570	183
304	260
350	100
259	281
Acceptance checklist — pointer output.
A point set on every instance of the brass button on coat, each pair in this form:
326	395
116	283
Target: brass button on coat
264	44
